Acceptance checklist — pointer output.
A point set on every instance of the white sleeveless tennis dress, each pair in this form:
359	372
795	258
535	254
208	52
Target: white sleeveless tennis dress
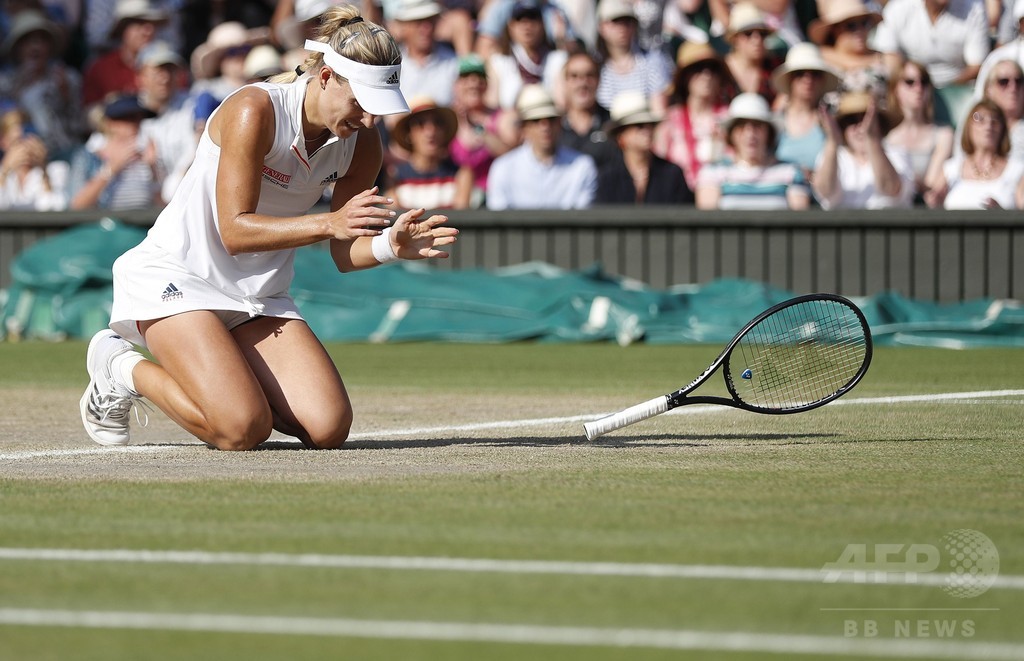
182	264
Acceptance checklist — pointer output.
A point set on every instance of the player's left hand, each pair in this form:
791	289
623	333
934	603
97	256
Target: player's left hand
413	237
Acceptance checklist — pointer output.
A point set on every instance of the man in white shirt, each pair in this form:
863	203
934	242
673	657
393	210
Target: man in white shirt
949	37
540	173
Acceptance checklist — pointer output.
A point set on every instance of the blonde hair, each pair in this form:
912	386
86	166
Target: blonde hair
342	27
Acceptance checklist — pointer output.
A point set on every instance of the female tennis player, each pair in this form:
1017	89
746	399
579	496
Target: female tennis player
207	291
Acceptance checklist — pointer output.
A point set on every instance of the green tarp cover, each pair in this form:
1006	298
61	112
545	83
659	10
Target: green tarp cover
62	288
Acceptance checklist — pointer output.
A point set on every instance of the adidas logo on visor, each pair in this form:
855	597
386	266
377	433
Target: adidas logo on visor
392	80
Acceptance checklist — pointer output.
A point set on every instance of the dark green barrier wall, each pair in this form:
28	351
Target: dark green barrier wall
921	254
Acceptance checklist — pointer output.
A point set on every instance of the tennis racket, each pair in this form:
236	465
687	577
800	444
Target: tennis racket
796	356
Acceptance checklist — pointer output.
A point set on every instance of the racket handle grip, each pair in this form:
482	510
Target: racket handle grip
628	416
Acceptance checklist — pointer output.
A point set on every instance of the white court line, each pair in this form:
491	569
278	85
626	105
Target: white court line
737	641
530	422
423	563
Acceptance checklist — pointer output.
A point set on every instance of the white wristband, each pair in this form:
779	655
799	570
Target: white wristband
381	247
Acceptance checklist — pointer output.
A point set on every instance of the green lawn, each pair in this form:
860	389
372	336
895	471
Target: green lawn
720	488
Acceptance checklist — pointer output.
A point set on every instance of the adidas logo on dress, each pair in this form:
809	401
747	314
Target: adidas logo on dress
172	293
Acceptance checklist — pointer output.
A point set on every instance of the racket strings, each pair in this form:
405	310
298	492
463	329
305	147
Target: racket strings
799	356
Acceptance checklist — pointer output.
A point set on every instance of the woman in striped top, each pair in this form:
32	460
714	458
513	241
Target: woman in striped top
753	179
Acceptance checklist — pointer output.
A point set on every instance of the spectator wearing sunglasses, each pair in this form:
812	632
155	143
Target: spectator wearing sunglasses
1005	86
750	61
802	80
855	170
950	37
1012	47
983	176
928	143
842	31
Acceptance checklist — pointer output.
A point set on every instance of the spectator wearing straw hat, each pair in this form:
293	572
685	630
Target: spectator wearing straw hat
429	67
802	80
690	135
626	66
44	87
753	178
638	177
428	178
218	64
843	31
856	170
262	62
135	25
541	173
750	61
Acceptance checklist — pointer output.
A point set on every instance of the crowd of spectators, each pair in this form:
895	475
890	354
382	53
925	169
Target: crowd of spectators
750	104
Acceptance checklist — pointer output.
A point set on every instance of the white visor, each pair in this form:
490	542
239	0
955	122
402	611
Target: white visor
376	87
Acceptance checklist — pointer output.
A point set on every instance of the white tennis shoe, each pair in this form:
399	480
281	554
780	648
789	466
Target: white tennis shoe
107	403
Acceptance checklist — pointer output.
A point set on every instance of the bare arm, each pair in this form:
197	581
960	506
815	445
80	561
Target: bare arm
708	197
826	178
244	129
355	197
887	179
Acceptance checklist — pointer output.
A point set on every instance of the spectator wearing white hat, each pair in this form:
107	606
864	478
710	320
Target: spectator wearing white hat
753	178
41	84
262	62
638	176
135	25
626	66
429	67
801	81
1011	49
541	173
856	170
218	64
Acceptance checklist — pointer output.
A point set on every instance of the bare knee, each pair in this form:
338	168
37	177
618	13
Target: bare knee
329	435
239	431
